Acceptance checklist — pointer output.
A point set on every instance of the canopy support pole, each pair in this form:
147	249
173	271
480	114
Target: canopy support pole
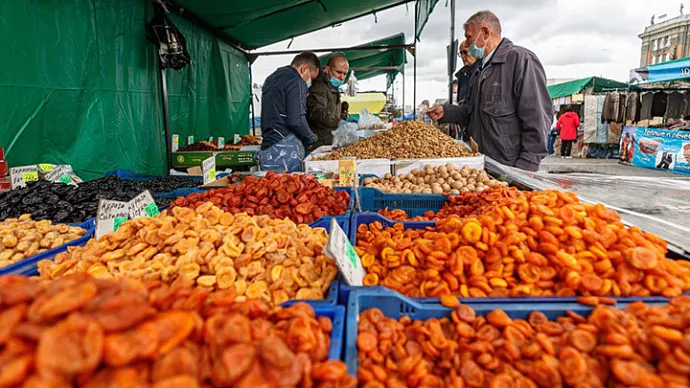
166	118
402	117
251	96
414	86
450	60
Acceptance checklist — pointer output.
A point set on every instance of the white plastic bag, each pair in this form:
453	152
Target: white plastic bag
369	121
345	135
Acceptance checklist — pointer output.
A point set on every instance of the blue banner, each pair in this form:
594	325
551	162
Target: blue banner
658	148
669	72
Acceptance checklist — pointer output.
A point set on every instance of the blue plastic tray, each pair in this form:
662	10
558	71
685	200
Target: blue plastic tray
29	267
368	218
394	305
337	315
414	205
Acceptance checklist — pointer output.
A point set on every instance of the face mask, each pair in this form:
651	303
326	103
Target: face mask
308	83
336	82
477	52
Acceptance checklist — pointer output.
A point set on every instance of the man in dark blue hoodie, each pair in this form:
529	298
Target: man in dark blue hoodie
286	133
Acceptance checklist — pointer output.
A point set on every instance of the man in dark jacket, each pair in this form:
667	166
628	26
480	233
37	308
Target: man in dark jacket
323	104
285	130
466	77
511	108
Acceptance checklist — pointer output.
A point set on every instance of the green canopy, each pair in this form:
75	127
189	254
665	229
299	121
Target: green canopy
255	24
372	63
578	85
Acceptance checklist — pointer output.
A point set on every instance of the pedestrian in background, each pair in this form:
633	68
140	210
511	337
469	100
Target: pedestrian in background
568	125
553	134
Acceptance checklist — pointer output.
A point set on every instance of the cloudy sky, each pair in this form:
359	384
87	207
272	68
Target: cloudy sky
573	39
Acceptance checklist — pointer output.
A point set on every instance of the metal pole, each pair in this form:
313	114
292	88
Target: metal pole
414	86
166	119
403	100
251	96
452	39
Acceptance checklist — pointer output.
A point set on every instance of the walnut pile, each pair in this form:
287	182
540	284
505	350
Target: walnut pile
409	140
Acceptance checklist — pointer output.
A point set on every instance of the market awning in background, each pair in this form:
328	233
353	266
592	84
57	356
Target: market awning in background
374	102
372	63
574	87
258	24
663	72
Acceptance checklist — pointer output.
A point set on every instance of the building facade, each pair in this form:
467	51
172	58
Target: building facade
665	40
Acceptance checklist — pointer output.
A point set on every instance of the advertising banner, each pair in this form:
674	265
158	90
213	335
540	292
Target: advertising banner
658	148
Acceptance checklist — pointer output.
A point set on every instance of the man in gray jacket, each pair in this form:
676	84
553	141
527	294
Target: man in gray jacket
510	110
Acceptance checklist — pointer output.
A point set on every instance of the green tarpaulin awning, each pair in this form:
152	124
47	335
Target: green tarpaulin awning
255	24
372	63
573	87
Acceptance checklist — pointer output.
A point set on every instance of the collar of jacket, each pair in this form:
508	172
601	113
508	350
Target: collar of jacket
467	70
501	52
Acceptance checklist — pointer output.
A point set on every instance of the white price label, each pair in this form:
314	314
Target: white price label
221	143
142	205
110	215
175	142
190	140
236	139
21	175
209	168
210	139
60	174
339	249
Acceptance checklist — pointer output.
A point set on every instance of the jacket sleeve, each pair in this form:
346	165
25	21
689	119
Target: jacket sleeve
559	124
317	108
534	109
456	114
297	112
577	122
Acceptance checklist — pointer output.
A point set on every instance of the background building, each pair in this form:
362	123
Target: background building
665	39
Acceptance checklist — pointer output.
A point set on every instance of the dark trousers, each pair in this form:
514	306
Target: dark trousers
552	140
566	147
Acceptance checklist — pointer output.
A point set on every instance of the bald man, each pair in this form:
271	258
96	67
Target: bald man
324	110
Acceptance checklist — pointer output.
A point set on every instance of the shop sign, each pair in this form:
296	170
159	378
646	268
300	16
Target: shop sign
656	148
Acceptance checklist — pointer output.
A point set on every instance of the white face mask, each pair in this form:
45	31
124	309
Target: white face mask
308	83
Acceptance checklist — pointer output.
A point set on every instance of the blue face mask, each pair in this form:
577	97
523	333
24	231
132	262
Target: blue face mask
308	83
477	52
336	82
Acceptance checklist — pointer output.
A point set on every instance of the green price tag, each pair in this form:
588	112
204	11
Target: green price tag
30	176
66	179
117	222
351	254
46	167
152	209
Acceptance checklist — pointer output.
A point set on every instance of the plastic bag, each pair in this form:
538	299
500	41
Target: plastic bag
345	135
286	155
369	121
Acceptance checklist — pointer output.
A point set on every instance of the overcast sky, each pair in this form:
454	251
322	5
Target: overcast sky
573	39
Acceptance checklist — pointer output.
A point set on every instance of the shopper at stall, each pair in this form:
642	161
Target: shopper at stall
567	126
511	110
467	73
286	133
323	104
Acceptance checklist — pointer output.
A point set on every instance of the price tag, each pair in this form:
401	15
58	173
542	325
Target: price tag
142	205
175	142
60	174
236	139
221	143
190	140
209	168
23	174
46	167
110	215
339	249
210	139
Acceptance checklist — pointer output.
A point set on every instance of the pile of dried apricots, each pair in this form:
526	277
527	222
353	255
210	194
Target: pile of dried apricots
299	197
80	331
544	243
642	346
258	257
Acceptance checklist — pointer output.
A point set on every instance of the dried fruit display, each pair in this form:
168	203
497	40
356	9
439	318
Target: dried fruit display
257	257
641	346
75	204
533	244
446	179
300	198
409	140
22	238
80	331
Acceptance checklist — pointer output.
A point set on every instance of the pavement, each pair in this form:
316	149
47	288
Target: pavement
556	165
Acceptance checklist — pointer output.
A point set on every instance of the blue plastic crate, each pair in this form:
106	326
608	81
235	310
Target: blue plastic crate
337	316
414	205
29	267
394	305
368	218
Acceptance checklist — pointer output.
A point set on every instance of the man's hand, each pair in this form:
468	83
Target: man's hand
436	113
